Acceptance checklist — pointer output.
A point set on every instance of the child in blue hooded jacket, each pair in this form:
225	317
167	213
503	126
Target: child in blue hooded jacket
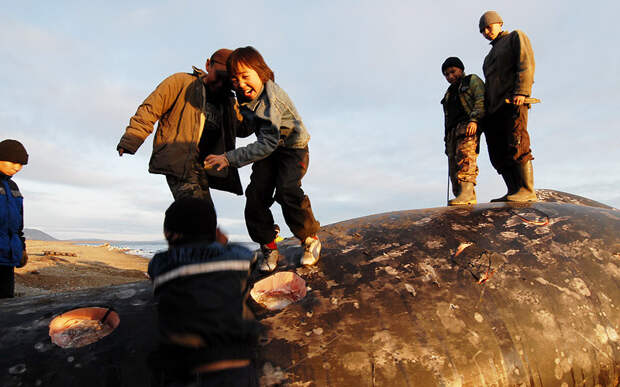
13	254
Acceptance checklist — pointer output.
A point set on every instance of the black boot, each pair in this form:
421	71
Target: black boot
511	178
467	195
526	192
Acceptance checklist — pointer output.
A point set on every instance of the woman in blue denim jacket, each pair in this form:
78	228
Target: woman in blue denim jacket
279	154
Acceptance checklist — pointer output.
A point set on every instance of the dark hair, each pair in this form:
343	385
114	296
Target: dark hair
190	220
251	58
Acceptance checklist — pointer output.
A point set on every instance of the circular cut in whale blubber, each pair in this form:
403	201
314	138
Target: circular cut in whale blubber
79	327
279	290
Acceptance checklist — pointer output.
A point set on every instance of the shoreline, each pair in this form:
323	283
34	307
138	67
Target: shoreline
72	266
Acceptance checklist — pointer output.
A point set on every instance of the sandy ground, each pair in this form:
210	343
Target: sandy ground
92	266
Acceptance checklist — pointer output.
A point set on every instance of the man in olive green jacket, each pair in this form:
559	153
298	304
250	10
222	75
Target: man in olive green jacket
509	75
463	106
198	115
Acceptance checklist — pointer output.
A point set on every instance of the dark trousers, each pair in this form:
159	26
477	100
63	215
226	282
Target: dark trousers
7	281
507	138
195	185
280	172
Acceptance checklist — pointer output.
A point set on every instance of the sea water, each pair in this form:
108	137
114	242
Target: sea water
149	248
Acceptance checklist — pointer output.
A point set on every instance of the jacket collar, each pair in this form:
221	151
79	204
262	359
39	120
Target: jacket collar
198	72
499	37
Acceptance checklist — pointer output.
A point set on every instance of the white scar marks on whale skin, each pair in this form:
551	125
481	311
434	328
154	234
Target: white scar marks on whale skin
349	249
582	288
430	275
447	316
459	227
410	289
434	244
509	234
478	317
395	252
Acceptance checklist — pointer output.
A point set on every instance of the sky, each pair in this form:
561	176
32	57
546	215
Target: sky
364	75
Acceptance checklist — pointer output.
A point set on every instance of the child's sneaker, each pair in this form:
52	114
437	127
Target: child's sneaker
312	250
270	258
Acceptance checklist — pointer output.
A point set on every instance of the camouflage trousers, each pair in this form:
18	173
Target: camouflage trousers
462	152
194	185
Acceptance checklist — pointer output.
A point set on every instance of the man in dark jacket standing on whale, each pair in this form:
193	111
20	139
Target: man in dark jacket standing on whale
509	75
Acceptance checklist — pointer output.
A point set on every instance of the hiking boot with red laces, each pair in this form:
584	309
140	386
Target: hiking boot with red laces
312	251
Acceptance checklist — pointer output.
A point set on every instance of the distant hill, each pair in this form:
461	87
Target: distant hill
37	235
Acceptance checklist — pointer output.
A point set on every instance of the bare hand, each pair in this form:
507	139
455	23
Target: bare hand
24	259
518	99
472	128
216	161
220	237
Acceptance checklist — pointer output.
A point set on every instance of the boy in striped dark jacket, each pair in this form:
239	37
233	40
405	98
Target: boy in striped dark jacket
207	334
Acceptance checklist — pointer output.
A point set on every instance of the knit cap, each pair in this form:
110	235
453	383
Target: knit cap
452	62
13	151
193	218
488	18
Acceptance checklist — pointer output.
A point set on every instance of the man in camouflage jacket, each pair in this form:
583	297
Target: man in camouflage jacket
463	106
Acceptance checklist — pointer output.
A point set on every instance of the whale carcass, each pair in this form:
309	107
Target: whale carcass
487	295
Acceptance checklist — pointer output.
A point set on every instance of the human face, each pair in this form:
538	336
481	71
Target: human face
453	74
216	77
246	82
9	168
491	31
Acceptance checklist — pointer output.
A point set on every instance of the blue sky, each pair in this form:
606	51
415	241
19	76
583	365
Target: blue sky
365	76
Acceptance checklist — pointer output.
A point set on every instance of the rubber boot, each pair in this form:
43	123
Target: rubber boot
526	192
511	180
466	196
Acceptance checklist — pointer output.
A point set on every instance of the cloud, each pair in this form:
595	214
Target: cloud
365	77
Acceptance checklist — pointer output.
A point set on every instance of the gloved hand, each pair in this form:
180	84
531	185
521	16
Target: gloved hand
24	260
